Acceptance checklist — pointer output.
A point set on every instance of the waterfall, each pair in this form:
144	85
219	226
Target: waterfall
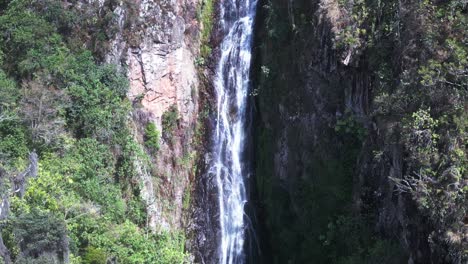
232	88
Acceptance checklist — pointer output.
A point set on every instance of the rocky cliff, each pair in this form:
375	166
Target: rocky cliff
338	84
156	45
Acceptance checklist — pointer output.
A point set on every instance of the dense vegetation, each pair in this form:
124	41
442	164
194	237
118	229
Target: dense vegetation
429	61
344	199
80	199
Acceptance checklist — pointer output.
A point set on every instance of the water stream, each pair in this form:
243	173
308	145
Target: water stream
232	88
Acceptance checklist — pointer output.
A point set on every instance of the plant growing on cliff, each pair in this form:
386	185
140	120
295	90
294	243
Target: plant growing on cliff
169	120
152	137
206	18
349	241
349	125
353	35
420	137
435	177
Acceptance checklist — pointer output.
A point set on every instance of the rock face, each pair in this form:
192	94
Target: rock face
157	44
303	171
316	135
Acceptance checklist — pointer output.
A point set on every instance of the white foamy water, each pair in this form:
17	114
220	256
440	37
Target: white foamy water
232	88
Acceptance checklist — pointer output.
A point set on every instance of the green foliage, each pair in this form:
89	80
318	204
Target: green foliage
92	25
53	11
187	199
136	210
448	72
429	102
350	127
353	35
99	107
152	137
13	138
206	18
199	61
9	93
420	137
75	189
93	160
92	174
130	245
169	121
435	176
14	141
28	35
349	241
48	189
39	232
131	152
94	256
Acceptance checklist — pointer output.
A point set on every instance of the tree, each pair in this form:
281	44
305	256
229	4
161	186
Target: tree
39	233
13	140
42	109
169	121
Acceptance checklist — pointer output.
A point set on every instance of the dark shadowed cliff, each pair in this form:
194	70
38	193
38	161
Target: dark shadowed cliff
360	136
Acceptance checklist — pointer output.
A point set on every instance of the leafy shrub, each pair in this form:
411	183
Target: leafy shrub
9	94
94	256
47	190
129	244
99	108
12	134
420	137
206	18
169	120
25	32
136	211
93	160
13	142
93	173
152	137
348	125
40	232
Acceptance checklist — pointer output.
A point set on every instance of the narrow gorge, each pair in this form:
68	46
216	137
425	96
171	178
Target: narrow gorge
233	131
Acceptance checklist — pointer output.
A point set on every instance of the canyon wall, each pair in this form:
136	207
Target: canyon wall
156	44
334	98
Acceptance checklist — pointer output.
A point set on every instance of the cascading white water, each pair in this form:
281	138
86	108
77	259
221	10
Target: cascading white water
232	87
